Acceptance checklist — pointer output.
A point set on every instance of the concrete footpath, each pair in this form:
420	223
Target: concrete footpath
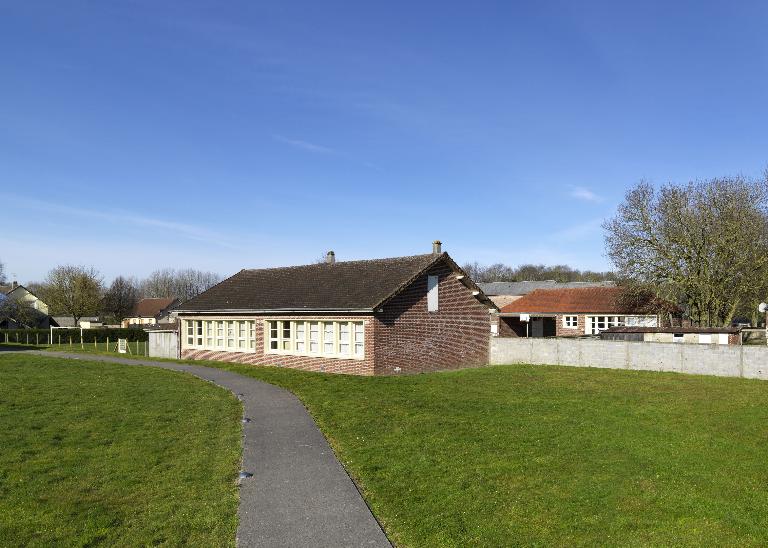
299	494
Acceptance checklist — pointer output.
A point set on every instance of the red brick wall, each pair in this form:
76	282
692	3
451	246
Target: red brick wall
307	363
570	331
415	340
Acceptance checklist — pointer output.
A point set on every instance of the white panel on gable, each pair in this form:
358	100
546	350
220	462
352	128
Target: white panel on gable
722	338
642	321
705	338
432	282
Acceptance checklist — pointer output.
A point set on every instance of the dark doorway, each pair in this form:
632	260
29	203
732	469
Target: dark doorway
550	329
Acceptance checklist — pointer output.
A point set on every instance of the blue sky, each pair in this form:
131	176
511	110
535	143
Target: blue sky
137	135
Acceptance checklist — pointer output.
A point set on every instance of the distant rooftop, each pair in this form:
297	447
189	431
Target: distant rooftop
523	288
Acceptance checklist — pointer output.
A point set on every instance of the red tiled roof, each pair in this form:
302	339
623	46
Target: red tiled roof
582	300
149	308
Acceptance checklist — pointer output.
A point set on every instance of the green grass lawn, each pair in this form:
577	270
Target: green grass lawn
484	457
549	455
94	453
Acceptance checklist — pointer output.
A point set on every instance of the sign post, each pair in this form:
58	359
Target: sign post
122	345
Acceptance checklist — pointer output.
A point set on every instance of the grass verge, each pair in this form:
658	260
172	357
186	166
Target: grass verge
95	453
549	455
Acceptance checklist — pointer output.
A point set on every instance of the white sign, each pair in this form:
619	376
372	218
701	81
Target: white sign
122	346
525	317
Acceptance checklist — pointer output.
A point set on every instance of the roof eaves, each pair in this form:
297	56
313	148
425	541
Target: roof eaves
276	311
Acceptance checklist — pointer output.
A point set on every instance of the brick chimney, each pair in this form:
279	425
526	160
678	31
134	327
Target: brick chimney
330	257
437	247
15	284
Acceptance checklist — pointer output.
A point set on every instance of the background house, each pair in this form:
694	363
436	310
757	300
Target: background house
23	295
20	308
570	313
503	293
382	316
69	321
151	312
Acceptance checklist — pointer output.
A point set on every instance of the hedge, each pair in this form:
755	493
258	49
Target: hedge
101	335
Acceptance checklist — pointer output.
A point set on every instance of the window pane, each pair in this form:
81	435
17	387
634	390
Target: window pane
230	329
242	330
286	330
273	344
328	338
359	349
209	342
314	337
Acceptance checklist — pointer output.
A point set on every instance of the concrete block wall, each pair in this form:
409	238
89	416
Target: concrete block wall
718	360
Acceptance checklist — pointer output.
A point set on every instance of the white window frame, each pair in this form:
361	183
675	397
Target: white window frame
355	341
199	331
600	322
571	321
433	288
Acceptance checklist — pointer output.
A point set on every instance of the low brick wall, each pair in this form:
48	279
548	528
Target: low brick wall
750	362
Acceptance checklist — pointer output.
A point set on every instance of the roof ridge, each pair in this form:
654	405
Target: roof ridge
358	261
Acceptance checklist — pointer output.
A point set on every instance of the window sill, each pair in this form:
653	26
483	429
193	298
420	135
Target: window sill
308	355
207	349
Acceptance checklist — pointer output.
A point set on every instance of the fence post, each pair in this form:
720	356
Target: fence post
107	344
27	334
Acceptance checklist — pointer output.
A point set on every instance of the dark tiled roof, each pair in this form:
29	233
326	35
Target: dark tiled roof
149	308
585	300
525	287
349	285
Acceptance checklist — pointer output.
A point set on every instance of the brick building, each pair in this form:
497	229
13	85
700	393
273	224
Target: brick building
569	312
151	312
373	317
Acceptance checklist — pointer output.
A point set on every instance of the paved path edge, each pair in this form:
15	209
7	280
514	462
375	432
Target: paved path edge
301	494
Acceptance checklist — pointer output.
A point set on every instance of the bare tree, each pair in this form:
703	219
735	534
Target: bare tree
121	297
704	243
73	290
20	311
532	272
184	284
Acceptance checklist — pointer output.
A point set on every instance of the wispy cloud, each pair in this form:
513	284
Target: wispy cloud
122	218
305	145
583	193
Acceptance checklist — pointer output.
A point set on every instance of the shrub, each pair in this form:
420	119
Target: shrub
100	334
